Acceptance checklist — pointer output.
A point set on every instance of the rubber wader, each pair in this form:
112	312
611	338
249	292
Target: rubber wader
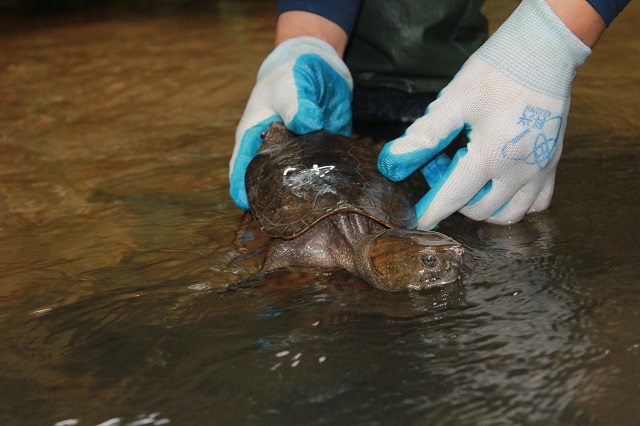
402	53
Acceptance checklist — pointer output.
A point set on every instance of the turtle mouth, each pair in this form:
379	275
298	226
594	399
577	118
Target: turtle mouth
452	272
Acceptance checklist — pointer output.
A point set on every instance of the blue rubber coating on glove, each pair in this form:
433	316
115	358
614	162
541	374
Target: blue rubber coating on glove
422	205
440	179
324	97
485	189
434	173
249	146
435	170
501	208
399	166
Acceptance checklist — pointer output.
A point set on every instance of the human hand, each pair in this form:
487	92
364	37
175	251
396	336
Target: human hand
512	97
303	83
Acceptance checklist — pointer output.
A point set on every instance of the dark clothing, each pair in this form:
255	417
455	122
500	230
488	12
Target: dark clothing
341	12
402	53
608	9
414	46
345	12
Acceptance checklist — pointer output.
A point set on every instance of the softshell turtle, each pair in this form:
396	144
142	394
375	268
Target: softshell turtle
322	199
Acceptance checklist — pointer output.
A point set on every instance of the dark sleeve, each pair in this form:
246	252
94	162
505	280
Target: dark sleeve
342	12
608	9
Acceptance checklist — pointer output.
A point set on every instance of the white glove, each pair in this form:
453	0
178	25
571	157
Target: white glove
512	97
303	83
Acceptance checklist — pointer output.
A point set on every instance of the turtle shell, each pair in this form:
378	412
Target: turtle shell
295	181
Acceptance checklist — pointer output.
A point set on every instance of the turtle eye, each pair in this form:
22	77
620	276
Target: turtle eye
430	260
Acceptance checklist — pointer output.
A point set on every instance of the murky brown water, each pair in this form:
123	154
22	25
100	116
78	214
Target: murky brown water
117	297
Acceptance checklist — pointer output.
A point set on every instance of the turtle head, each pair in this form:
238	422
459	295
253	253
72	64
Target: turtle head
406	259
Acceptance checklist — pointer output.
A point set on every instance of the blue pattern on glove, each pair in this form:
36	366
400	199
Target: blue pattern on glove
546	130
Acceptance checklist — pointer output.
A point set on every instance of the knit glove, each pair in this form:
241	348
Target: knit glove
512	98
303	83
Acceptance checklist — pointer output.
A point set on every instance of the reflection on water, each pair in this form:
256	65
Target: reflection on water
123	301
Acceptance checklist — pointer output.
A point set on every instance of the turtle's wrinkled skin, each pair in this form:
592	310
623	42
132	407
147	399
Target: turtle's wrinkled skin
323	200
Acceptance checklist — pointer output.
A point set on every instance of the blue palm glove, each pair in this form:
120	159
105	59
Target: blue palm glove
303	83
512	97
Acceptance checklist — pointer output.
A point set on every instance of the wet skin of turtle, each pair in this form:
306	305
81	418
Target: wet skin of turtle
322	199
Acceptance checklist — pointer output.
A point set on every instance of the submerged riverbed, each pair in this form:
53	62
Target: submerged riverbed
123	301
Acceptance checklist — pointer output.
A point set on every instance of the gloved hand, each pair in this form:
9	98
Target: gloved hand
303	83
512	97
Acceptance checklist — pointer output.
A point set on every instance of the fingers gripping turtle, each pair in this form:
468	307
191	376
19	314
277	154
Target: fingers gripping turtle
303	83
512	97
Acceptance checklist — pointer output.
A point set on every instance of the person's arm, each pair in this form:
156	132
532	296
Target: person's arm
299	24
322	19
581	18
